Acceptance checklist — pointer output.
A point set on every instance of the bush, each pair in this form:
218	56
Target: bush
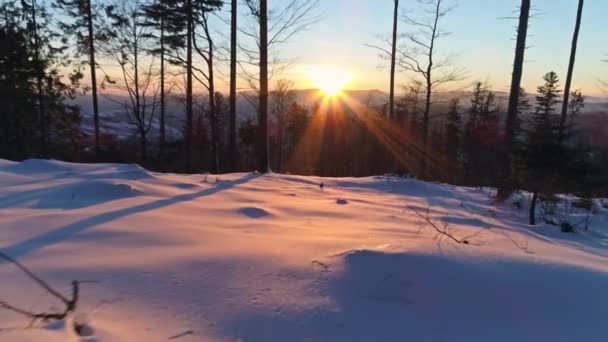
583	203
567	227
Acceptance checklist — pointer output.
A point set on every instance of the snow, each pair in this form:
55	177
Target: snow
249	257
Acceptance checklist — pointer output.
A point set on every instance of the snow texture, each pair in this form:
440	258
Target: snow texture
276	258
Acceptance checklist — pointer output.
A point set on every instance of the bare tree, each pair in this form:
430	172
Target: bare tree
233	80
126	46
419	56
515	92
270	29
283	97
568	85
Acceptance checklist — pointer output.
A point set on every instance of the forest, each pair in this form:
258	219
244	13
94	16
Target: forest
159	60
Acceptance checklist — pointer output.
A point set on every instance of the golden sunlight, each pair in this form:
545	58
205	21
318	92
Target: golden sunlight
330	81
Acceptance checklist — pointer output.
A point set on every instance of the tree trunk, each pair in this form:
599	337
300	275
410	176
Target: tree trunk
568	85
189	109
393	62
429	93
93	65
263	152
213	114
518	67
162	139
533	208
233	57
39	76
143	145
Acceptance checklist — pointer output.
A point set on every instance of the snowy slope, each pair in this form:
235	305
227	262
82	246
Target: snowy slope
246	257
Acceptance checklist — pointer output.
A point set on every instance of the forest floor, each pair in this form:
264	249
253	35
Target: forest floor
249	257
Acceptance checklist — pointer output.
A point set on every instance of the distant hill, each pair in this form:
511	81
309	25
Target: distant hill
115	122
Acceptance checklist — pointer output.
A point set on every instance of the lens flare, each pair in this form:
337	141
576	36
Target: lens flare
330	81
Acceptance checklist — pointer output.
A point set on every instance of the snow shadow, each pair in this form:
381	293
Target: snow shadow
60	234
71	196
416	297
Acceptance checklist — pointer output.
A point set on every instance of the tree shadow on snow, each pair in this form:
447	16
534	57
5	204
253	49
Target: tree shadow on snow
415	297
55	236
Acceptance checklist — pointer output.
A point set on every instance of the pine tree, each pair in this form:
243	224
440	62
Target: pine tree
30	77
542	152
158	16
453	132
80	24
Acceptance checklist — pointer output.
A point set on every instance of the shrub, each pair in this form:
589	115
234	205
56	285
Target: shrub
583	203
567	227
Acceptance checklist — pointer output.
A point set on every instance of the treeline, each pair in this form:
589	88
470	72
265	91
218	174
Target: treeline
141	54
152	52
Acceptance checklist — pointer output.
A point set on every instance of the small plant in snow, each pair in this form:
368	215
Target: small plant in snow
442	229
567	227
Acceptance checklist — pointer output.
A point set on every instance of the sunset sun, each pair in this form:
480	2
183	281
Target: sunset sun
330	81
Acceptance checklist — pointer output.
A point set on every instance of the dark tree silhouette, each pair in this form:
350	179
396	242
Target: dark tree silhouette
287	21
233	79
512	110
568	84
393	60
81	24
419	56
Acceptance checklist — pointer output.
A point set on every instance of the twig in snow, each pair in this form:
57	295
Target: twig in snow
442	231
70	304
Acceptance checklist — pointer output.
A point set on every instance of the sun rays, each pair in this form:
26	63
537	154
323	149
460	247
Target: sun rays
330	81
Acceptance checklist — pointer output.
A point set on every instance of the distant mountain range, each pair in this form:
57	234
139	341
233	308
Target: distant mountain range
115	122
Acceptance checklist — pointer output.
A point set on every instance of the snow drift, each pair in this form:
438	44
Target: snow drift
249	257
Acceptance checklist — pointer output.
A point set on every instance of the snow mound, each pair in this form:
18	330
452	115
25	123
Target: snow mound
262	258
472	298
35	166
341	201
254	213
81	194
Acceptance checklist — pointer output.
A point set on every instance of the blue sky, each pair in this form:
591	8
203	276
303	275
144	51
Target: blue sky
482	42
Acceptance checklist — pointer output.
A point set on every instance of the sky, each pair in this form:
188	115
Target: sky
482	41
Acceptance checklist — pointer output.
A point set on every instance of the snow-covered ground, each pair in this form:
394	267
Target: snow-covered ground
248	257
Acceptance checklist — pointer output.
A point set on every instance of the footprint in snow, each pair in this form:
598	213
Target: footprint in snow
341	201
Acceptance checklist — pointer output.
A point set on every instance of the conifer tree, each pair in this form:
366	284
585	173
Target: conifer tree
80	23
541	154
453	132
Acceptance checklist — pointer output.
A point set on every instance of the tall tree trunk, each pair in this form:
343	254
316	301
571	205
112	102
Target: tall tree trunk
143	145
263	152
93	65
518	68
233	57
577	28
138	108
212	108
162	139
39	76
189	107
429	92
533	208
393	62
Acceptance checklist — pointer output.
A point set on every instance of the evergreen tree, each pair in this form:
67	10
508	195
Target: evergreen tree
80	23
453	132
30	77
159	18
542	151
